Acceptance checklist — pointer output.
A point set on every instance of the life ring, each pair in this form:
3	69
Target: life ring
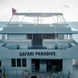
25	76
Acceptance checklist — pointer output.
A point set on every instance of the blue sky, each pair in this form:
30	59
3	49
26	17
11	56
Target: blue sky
68	7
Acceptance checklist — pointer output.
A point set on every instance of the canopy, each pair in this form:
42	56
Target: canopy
39	14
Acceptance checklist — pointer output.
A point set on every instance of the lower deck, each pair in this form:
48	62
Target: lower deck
35	68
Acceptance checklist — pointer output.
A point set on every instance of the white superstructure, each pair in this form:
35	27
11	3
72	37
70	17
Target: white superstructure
43	49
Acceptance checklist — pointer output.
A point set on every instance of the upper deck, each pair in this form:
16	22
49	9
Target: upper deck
37	23
36	34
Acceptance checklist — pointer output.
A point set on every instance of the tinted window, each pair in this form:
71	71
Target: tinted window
18	62
13	62
29	36
24	62
49	36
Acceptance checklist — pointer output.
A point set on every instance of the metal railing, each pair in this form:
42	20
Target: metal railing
17	73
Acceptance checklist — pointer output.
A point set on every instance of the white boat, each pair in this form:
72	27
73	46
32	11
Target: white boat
39	49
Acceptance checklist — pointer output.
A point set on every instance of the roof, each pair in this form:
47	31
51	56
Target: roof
38	14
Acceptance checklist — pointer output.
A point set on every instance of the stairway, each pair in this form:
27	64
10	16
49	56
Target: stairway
33	67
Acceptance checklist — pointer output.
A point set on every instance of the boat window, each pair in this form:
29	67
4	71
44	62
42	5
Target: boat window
29	36
24	62
13	62
0	63
54	65
18	62
4	36
37	40
18	47
49	36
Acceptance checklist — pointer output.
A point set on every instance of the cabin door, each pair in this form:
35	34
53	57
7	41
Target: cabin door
37	40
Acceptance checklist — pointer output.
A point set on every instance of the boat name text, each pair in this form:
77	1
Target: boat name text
37	54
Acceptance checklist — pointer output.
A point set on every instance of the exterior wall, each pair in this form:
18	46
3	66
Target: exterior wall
60	36
29	65
16	37
67	66
48	43
6	64
54	54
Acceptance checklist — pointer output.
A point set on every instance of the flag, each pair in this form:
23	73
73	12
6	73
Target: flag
13	10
